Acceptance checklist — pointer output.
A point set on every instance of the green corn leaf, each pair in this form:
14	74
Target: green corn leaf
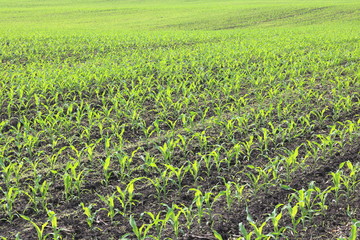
217	235
134	226
107	163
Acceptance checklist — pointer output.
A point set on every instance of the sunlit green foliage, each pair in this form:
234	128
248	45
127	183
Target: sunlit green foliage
171	120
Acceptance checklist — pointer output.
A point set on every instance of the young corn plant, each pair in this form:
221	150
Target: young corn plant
150	162
226	160
238	194
209	203
173	218
179	174
337	184
8	201
52	159
350	177
11	173
124	161
110	203
204	203
156	222
90	215
106	170
172	125
248	147
264	140
148	131
328	142
260	179
293	212
199	199
207	160
30	143
194	168
73	180
107	145
188	120
233	155
215	158
351	129
313	150
78	154
189	216
126	196
275	131
40	230
54	225
39	193
354	231
291	163
167	150
90	150
320	116
183	144
275	218
157	126
257	230
306	201
141	232
161	184
228	193
320	197
119	132
229	127
203	141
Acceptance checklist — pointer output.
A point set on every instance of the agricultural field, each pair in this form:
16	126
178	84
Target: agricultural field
197	120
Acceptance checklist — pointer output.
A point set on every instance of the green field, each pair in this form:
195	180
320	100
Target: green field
197	120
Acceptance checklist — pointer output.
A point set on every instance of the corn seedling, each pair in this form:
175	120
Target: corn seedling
206	121
90	215
351	179
161	184
173	218
204	203
54	224
275	218
179	174
337	183
110	203
194	168
291	163
293	212
8	201
39	193
149	162
260	179
257	230
73	180
306	201
141	233
124	161
106	171
248	147
11	173
126	196
156	222
167	150
40	230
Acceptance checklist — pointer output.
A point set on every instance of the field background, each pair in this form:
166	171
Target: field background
114	16
179	119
